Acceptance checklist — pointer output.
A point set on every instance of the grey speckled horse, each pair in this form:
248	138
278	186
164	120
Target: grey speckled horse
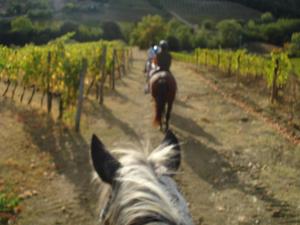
142	191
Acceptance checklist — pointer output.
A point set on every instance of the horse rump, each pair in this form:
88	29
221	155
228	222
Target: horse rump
160	95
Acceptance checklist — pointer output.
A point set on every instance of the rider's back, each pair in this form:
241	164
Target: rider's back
164	60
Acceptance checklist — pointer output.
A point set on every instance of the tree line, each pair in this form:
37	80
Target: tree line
211	34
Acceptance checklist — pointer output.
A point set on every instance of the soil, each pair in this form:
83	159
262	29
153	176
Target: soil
237	168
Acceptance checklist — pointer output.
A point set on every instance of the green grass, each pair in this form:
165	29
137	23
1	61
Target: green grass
7	205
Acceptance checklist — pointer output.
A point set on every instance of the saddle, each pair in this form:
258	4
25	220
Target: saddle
159	75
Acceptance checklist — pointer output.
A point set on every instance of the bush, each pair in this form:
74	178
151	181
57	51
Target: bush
68	27
85	33
21	24
150	29
294	47
208	24
71	7
267	17
280	31
39	14
111	31
230	33
173	43
201	38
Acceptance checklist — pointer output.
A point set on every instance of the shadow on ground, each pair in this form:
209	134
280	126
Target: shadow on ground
69	151
212	167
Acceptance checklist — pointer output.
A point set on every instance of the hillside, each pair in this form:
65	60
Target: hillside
194	11
131	11
280	8
191	10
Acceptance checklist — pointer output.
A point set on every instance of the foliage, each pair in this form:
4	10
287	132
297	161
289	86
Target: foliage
111	31
7	205
149	29
294	47
230	32
274	69
208	24
71	7
280	60
280	31
267	17
40	14
56	67
22	24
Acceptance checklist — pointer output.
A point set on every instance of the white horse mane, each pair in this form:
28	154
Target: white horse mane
144	189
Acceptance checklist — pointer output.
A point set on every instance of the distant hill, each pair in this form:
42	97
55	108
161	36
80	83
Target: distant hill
191	11
195	11
280	8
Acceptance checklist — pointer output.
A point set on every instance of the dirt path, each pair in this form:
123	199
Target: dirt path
236	169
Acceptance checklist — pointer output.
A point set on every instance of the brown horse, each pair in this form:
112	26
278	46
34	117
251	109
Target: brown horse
163	89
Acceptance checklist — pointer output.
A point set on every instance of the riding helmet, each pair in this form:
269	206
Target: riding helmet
163	44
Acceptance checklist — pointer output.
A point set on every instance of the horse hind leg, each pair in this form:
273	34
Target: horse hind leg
168	114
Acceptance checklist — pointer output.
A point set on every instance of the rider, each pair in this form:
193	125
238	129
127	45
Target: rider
151	55
163	59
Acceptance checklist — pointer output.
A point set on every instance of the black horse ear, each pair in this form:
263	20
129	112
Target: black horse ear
170	139
104	163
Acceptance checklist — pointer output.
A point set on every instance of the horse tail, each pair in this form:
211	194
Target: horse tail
160	100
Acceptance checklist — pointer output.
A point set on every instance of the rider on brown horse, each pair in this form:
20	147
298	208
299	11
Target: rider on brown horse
163	59
163	87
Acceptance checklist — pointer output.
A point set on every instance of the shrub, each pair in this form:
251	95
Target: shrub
149	29
21	24
230	33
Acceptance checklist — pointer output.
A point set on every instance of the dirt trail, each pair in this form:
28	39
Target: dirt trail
236	169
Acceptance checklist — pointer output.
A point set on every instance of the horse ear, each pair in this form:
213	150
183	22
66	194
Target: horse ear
171	140
104	163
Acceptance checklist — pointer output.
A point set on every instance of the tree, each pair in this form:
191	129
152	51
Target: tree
149	29
230	33
185	37
294	48
111	31
173	43
22	24
267	17
201	38
208	24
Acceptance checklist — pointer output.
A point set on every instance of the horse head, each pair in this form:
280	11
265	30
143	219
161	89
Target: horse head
142	189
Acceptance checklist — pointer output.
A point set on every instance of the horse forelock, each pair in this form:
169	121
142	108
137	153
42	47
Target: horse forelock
143	190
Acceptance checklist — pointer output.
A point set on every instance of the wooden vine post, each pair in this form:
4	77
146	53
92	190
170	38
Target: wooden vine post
123	62
238	70
131	58
218	59
118	64
274	94
80	95
197	60
49	94
127	60
103	75
229	65
60	107
113	71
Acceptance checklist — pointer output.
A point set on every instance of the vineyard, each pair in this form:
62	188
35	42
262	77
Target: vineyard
275	69
60	70
236	166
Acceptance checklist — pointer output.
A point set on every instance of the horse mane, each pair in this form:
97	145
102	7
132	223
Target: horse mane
143	190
